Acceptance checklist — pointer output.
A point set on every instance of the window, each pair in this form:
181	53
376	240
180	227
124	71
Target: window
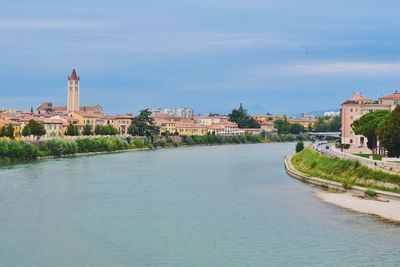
351	141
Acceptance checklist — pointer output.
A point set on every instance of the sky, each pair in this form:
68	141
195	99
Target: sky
272	56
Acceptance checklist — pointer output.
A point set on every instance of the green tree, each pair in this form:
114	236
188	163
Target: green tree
328	124
389	133
285	127
368	124
242	118
3	131
282	126
295	128
71	130
98	130
133	130
299	146
26	131
34	128
111	130
144	125
87	130
10	131
7	131
105	130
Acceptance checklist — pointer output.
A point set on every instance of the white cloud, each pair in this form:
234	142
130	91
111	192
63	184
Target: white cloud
181	41
347	68
51	24
369	69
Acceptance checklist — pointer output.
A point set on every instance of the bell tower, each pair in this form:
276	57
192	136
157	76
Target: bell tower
73	92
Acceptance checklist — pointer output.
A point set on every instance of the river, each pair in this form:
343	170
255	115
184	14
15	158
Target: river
230	205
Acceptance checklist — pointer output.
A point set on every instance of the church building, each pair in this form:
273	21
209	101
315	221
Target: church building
73	92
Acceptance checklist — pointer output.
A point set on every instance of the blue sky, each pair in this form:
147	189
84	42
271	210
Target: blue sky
273	56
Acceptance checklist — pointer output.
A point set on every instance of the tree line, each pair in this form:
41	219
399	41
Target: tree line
381	125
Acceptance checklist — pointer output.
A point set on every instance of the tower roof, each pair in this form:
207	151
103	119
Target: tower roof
73	75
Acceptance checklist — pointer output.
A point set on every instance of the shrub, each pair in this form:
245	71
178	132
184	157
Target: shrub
313	164
347	172
370	193
357	164
188	140
3	147
18	149
299	146
347	183
59	147
139	143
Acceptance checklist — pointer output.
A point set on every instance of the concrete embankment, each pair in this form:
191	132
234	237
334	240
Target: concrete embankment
386	206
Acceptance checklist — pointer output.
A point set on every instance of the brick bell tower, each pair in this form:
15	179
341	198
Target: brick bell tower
73	92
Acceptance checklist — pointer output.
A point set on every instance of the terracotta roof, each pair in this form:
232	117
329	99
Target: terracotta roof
165	122
267	123
252	129
215	126
53	121
202	117
90	115
394	96
127	116
163	116
189	125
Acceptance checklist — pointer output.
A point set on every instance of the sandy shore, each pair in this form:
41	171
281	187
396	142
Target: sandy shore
387	210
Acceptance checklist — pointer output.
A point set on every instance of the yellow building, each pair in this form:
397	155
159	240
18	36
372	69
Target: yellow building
90	119
120	122
16	126
186	129
307	123
166	126
264	118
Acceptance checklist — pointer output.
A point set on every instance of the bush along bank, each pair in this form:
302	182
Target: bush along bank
211	139
12	150
288	137
347	172
17	150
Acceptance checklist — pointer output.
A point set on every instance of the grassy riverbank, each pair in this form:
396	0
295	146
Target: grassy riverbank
347	172
16	151
12	150
211	140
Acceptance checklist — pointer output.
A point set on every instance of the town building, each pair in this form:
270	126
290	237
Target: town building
225	128
267	126
208	120
307	123
73	102
356	107
166	126
177	112
267	117
332	114
307	115
190	129
47	109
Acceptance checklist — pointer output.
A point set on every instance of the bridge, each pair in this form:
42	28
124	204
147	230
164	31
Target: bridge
324	135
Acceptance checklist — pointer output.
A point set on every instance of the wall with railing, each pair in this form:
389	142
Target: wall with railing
371	163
